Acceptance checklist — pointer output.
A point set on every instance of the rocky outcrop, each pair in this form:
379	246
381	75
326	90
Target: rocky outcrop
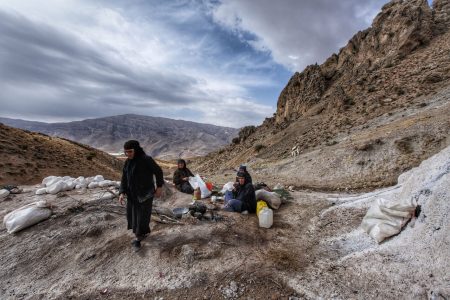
399	29
392	76
441	15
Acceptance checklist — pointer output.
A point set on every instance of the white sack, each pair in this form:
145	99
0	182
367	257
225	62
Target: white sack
93	185
104	183
4	193
387	217
41	191
47	179
53	181
99	178
26	216
196	182
271	198
70	185
227	187
56	188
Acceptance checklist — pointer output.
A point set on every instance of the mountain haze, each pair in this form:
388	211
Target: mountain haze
160	137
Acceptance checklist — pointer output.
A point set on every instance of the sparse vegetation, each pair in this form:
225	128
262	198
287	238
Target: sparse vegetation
259	147
90	156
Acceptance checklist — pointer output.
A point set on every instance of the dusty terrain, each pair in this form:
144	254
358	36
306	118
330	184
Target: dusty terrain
315	249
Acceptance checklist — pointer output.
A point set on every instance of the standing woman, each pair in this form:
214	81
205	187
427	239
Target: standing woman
137	184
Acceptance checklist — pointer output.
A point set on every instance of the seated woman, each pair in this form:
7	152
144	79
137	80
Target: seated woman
248	178
242	198
181	178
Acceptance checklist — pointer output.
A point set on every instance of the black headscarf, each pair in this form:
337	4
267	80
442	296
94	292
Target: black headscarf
182	161
133	144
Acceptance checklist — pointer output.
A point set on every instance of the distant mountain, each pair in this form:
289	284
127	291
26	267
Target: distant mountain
160	137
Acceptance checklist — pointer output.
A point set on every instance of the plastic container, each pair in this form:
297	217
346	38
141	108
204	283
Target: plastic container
260	205
197	194
265	217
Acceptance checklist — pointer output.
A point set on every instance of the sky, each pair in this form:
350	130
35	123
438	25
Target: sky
209	61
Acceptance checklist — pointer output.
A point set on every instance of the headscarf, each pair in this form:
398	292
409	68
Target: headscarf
133	144
182	161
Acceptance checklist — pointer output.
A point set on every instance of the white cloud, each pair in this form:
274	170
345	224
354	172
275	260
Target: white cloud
297	33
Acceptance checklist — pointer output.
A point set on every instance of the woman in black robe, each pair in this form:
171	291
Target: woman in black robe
181	178
137	184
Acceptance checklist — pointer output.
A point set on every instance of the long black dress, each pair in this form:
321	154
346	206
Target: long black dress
137	183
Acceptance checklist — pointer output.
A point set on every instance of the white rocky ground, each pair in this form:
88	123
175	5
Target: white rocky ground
316	249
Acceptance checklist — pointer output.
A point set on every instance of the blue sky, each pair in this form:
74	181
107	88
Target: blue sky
217	62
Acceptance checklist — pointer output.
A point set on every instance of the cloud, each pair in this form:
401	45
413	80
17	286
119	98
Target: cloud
297	33
113	67
207	61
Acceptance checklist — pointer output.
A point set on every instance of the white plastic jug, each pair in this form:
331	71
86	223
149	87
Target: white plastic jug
265	217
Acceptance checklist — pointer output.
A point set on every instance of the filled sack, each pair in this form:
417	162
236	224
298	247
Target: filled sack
26	216
272	199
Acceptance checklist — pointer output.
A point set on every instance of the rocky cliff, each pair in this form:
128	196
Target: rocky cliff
160	137
362	72
368	113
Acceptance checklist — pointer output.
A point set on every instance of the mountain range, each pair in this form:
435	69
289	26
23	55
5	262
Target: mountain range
160	137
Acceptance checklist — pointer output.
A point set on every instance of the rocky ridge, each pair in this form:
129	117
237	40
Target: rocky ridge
160	137
394	75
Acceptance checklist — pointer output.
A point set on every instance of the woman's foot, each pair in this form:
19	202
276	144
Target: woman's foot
136	245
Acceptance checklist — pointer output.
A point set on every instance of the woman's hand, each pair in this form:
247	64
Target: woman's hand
122	199
158	192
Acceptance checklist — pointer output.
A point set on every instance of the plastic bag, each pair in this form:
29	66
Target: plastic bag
387	217
196	182
26	216
229	186
272	198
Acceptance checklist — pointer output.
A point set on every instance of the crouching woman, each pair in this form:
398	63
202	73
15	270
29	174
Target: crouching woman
242	198
137	184
181	178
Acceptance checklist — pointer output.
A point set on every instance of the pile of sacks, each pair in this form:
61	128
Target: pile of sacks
55	184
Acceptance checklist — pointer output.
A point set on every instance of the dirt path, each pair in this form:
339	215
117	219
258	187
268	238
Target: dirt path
83	252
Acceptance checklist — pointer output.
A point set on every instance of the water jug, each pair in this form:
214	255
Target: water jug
265	217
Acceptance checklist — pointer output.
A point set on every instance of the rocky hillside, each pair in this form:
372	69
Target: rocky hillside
160	137
27	157
368	113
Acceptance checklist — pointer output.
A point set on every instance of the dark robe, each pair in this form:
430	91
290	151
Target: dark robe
246	194
181	185
137	183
